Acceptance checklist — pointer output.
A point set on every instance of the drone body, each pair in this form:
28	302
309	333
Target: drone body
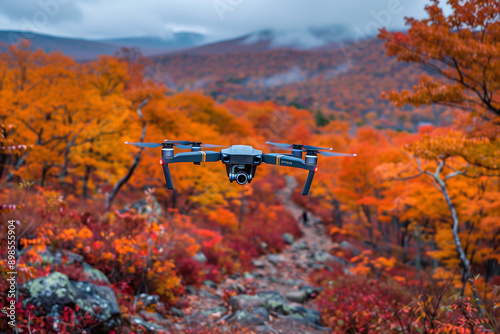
241	161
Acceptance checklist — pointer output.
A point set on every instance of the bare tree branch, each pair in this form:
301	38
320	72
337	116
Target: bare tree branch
137	158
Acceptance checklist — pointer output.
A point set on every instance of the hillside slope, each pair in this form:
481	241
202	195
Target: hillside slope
337	80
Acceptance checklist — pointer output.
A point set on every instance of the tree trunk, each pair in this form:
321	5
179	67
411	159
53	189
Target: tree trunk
458	244
242	207
337	214
85	183
135	163
419	246
366	211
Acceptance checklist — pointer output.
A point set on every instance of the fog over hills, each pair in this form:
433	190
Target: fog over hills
186	42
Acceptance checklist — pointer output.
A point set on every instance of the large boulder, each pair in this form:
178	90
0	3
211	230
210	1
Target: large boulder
277	305
62	256
56	291
242	302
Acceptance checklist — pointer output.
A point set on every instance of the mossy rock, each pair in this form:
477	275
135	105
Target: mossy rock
56	291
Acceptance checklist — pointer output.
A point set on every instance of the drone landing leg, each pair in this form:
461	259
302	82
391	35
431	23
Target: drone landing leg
308	183
168	178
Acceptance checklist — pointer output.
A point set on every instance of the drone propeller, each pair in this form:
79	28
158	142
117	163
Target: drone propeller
182	144
299	146
150	145
333	154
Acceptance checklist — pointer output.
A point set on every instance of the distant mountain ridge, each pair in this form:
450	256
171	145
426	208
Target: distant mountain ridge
176	41
83	49
311	38
325	37
79	49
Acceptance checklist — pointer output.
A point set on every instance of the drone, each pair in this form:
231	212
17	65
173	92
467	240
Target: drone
241	161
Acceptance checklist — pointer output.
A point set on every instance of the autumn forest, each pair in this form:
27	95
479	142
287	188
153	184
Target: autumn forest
402	238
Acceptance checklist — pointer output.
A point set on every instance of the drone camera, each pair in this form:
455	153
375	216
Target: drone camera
242	178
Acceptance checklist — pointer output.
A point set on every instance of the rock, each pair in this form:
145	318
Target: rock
200	257
287	238
148	300
154	317
247	275
55	291
177	312
214	312
311	292
242	302
207	294
278	305
259	264
271	294
236	287
317	266
293	282
300	245
263	245
143	207
93	274
265	329
191	290
245	318
297	296
150	326
218	310
261	312
346	245
295	321
257	274
313	316
276	258
322	256
210	284
273	279
59	255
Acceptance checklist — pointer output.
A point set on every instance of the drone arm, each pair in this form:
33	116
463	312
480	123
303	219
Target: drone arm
286	160
199	156
290	161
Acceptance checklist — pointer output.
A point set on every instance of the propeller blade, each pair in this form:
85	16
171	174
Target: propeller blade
304	147
316	148
213	146
334	154
279	144
150	145
182	142
183	147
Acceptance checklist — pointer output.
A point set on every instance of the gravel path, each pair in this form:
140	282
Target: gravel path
286	273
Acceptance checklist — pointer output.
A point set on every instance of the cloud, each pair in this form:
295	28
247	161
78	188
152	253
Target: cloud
216	18
38	11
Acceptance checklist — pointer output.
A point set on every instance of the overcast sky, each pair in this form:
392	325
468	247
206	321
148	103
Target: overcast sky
216	18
